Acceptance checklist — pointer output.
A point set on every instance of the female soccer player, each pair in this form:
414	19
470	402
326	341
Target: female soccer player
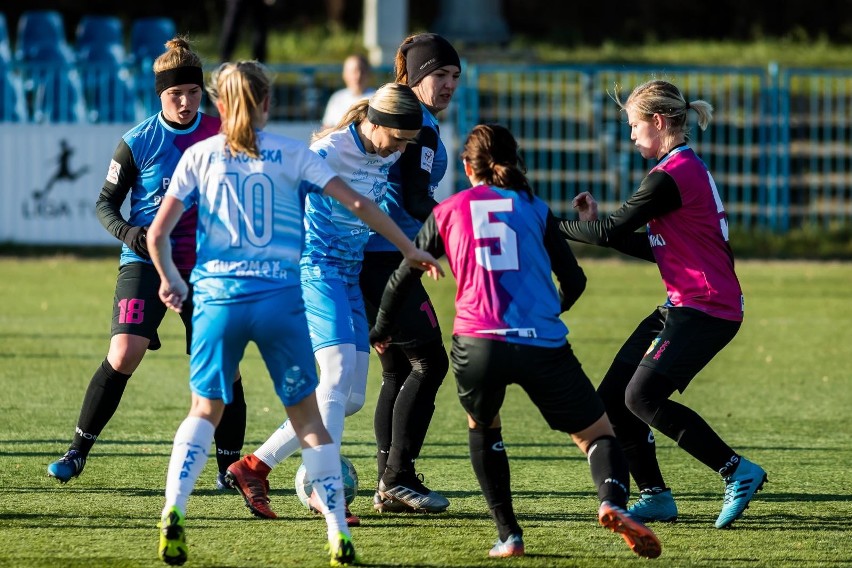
417	359
686	234
505	334
249	187
361	148
142	166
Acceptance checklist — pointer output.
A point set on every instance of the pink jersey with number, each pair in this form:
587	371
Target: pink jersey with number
690	244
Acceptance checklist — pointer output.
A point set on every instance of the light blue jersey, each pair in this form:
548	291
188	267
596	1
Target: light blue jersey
426	162
250	213
250	236
334	237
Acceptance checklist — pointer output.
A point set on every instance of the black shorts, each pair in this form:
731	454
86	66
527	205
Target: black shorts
552	377
138	309
677	342
417	323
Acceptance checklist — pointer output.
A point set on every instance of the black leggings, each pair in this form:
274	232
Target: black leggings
411	377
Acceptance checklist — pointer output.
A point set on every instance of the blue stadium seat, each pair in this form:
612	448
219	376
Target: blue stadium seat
5	46
52	83
96	30
37	27
13	103
148	37
108	85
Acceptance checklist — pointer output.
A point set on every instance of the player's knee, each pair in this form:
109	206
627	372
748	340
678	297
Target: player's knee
637	401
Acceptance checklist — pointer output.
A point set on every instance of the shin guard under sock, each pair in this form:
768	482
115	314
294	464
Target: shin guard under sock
608	467
491	466
99	404
231	432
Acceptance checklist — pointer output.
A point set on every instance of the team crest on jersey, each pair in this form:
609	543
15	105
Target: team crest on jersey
427	156
323	153
113	171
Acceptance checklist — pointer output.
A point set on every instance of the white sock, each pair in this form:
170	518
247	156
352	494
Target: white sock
189	455
332	407
358	392
322	465
282	444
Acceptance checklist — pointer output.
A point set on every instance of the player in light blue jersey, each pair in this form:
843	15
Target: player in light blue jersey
361	149
250	188
140	169
502	249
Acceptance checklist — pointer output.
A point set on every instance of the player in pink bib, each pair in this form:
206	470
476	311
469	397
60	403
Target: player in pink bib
686	234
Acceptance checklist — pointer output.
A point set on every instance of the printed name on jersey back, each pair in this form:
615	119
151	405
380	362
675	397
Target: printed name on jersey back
113	171
427	156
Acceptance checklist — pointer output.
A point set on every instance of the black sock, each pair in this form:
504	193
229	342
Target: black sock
99	405
395	367
608	467
640	448
383	418
491	466
231	432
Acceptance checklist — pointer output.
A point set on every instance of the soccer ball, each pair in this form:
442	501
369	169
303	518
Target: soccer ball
350	482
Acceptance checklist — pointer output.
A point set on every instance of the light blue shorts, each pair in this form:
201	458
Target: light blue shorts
275	322
336	315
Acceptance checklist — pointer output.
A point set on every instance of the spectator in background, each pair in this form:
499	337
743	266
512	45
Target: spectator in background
357	75
235	13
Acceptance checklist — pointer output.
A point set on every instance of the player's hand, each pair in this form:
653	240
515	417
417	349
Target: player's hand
379	341
422	260
586	206
137	239
173	294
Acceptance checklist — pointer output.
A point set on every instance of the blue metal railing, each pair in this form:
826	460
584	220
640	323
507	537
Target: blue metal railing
779	145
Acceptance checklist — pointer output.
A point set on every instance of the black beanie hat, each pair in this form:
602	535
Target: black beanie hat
425	53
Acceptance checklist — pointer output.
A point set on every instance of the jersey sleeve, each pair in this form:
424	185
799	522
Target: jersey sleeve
121	175
315	171
184	185
415	166
401	281
569	274
657	195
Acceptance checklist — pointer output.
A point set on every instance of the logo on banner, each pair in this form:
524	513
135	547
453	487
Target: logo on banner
63	174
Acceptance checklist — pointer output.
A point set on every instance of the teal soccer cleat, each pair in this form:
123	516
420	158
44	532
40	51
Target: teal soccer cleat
654	507
740	487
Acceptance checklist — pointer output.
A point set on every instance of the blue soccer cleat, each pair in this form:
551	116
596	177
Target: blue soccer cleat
68	466
654	507
740	487
222	483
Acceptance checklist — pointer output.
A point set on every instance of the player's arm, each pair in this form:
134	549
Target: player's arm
400	283
173	289
366	210
119	181
569	274
415	174
657	195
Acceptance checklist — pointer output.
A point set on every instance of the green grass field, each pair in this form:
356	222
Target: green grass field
780	394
